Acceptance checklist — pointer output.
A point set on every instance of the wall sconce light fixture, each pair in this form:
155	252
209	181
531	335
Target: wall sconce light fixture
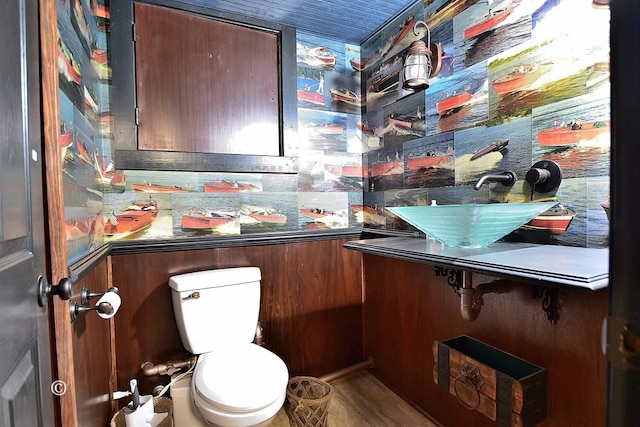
422	61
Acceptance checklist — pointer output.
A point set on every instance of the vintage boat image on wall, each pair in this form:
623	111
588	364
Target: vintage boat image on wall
370	215
555	220
266	215
451	104
310	96
107	176
325	218
67	65
148	187
491	20
66	139
350	171
386	77
205	220
405	28
341	94
520	78
415	122
269	216
134	219
319	56
500	145
573	132
226	186
367	135
385	167
430	159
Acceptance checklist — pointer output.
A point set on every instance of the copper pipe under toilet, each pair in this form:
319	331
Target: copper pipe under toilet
167	368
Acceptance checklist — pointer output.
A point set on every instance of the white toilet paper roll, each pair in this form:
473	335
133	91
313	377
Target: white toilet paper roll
113	299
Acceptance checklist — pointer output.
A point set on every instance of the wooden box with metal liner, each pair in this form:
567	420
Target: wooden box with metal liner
503	387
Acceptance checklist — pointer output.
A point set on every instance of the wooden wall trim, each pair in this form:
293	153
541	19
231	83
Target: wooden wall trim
79	268
204	162
62	347
247	240
113	369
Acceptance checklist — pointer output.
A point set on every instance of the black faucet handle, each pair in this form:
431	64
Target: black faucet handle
544	176
537	176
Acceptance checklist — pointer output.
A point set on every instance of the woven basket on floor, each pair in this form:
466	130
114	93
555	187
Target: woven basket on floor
160	405
308	401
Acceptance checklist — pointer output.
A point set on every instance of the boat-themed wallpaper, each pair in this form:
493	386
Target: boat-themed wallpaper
519	82
85	121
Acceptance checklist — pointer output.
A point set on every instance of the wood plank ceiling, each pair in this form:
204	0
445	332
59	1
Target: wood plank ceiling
351	21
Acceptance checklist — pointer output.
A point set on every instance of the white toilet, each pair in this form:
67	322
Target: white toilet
235	383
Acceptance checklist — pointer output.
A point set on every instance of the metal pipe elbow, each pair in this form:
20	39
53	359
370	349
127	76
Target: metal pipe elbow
168	368
470	306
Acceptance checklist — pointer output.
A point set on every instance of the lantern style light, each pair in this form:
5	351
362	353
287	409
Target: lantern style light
422	61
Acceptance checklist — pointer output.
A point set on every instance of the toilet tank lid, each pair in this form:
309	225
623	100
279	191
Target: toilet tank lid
214	278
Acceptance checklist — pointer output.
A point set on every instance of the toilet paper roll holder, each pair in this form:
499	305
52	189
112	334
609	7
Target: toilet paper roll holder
76	310
86	294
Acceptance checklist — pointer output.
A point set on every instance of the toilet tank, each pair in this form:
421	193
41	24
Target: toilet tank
216	308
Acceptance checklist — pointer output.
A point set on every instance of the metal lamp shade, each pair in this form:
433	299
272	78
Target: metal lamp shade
417	67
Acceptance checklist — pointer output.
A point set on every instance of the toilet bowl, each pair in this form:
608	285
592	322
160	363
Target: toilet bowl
235	383
234	397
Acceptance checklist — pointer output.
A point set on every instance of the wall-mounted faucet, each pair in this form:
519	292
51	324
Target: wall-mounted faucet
544	177
507	179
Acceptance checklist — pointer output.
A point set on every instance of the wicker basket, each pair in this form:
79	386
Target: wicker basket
308	401
160	405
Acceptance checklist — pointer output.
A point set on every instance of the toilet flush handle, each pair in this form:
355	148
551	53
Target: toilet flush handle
194	295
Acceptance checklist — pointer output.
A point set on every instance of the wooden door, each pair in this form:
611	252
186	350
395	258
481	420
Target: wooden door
82	365
624	315
25	370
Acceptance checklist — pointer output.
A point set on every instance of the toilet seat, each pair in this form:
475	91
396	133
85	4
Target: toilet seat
240	378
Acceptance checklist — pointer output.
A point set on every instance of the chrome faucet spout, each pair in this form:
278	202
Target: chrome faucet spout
507	179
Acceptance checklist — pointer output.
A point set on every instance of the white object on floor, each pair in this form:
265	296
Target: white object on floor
142	416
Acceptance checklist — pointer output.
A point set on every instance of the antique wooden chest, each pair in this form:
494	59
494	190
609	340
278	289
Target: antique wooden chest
503	387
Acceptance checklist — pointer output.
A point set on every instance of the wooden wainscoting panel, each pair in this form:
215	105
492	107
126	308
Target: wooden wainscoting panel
311	302
311	305
408	307
145	327
92	353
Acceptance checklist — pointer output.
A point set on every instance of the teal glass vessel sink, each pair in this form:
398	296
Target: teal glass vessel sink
473	225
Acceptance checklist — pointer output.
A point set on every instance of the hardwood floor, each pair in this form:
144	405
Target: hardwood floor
361	400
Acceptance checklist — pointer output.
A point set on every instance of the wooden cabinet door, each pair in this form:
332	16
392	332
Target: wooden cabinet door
205	86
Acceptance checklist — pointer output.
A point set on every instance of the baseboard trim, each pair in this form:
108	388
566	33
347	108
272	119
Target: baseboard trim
341	373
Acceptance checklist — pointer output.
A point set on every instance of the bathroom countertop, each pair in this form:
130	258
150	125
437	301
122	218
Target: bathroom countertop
547	265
